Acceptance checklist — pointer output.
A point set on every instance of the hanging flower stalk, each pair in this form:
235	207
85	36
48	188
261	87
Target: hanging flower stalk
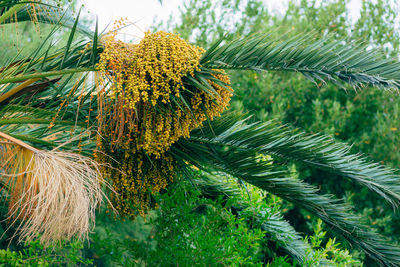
52	195
158	94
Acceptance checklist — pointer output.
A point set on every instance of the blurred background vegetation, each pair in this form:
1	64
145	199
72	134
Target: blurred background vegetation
189	229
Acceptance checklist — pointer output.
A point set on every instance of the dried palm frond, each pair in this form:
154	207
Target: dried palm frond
52	195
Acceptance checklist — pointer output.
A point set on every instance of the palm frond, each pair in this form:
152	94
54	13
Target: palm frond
317	151
320	60
49	115
47	61
44	111
232	148
47	128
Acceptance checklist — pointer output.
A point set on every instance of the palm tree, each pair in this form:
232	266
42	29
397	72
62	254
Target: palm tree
56	118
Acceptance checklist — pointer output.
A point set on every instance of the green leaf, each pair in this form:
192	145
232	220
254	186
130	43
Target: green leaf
325	60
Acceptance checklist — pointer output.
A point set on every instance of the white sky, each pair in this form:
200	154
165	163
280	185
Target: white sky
143	12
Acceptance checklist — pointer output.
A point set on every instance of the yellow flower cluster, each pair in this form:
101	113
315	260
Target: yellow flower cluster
160	62
135	178
147	89
115	60
149	106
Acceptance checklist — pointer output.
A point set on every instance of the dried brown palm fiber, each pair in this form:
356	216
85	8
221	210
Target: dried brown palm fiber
52	195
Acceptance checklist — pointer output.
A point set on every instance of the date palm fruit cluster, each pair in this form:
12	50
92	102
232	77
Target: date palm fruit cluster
148	101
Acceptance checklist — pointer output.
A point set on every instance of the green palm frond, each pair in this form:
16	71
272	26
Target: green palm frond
77	59
57	115
317	151
232	148
46	97
320	60
47	60
60	114
334	214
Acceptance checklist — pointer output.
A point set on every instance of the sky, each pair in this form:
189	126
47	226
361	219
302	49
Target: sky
143	12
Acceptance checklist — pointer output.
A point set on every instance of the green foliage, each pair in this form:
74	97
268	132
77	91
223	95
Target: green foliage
115	242
189	229
202	231
329	251
34	254
197	227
